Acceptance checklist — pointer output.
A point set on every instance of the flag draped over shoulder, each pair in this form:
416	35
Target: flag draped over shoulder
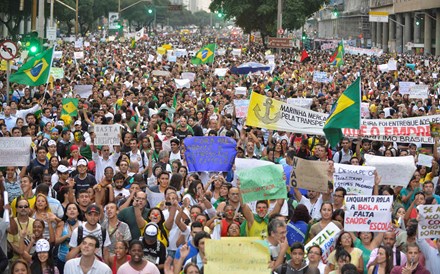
70	107
35	71
345	113
204	55
337	59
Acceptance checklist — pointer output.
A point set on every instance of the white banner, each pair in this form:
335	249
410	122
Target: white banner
368	213
405	86
301	102
406	130
107	135
424	160
188	75
83	90
182	83
236	52
78	55
241	108
392	170
357	180
221	72
180	52
418	92
240	91
361	51
429	222
326	240
57	54
321	77
15	151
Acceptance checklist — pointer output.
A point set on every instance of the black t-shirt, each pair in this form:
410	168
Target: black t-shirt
86	183
155	253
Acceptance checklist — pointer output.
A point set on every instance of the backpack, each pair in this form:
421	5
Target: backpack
284	269
142	158
340	155
81	236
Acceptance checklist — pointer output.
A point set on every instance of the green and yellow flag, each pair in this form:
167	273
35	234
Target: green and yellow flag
345	113
204	55
70	107
337	59
36	71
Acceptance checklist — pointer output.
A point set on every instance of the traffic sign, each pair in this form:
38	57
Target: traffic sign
280	31
8	50
51	33
280	43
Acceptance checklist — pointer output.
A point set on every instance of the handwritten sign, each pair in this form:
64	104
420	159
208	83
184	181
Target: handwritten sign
325	239
262	183
424	160
188	75
357	180
418	91
321	77
78	55
368	213
429	223
107	135
405	86
210	153
57	73
15	151
310	175
393	170
250	256
241	108
301	102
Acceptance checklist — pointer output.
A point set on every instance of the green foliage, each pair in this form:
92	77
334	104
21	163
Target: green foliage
12	8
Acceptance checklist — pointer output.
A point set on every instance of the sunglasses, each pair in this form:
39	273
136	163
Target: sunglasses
23	206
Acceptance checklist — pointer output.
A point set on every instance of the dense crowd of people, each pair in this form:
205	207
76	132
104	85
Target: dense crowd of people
135	207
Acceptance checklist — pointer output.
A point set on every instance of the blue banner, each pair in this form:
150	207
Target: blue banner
210	153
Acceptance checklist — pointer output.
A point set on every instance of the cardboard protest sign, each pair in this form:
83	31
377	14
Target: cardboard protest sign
429	223
310	175
406	130
250	256
262	183
15	151
241	108
107	135
357	180
368	213
321	77
392	170
424	160
435	129
210	153
301	102
325	239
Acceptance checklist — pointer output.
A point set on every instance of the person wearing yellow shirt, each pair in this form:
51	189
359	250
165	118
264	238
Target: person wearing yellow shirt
26	187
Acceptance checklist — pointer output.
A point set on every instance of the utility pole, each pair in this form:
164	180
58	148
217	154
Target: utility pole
76	19
34	15
279	20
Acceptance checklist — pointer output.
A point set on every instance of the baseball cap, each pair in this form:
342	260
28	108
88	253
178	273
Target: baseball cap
73	148
150	232
62	169
93	208
77	123
42	245
82	162
51	143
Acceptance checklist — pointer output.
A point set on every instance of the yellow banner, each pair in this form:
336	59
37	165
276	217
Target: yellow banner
250	256
3	64
265	112
161	50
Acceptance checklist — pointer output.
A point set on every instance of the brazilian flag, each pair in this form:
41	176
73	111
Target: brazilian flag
36	71
345	113
204	55
70	107
337	59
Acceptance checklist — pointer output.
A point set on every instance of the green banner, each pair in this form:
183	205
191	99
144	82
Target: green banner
262	183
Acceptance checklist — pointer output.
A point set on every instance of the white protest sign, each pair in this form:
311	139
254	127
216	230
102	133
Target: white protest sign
188	75
221	72
365	110
78	55
86	44
57	73
368	213
424	160
15	151
150	58
182	83
270	58
240	91
392	64
404	87
79	44
418	91
301	102
392	170
172	58
180	52
383	67
242	163
429	222
220	52
241	108
325	240
160	73
107	135
357	180
57	54
83	90
320	77
236	52
426	63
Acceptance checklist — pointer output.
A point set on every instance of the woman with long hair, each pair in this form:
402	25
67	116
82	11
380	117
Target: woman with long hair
42	262
121	256
345	242
194	193
326	217
70	221
42	211
54	162
297	227
383	262
20	266
156	216
223	197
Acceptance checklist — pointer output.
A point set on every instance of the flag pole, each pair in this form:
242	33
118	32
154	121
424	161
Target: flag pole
48	75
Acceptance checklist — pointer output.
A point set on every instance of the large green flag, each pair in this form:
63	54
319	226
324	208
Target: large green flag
204	55
70	107
36	71
262	183
345	113
337	58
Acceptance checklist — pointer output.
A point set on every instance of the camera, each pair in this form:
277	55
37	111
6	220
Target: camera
221	214
168	203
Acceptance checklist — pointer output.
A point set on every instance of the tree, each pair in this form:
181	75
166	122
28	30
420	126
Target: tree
261	15
14	14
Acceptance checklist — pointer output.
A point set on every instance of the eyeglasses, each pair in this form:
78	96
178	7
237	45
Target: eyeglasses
23	207
316	253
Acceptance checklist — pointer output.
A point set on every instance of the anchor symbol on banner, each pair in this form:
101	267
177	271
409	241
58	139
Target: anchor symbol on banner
266	118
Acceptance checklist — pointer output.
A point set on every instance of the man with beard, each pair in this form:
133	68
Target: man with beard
137	264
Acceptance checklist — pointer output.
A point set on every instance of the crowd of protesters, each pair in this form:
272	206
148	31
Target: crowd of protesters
135	208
